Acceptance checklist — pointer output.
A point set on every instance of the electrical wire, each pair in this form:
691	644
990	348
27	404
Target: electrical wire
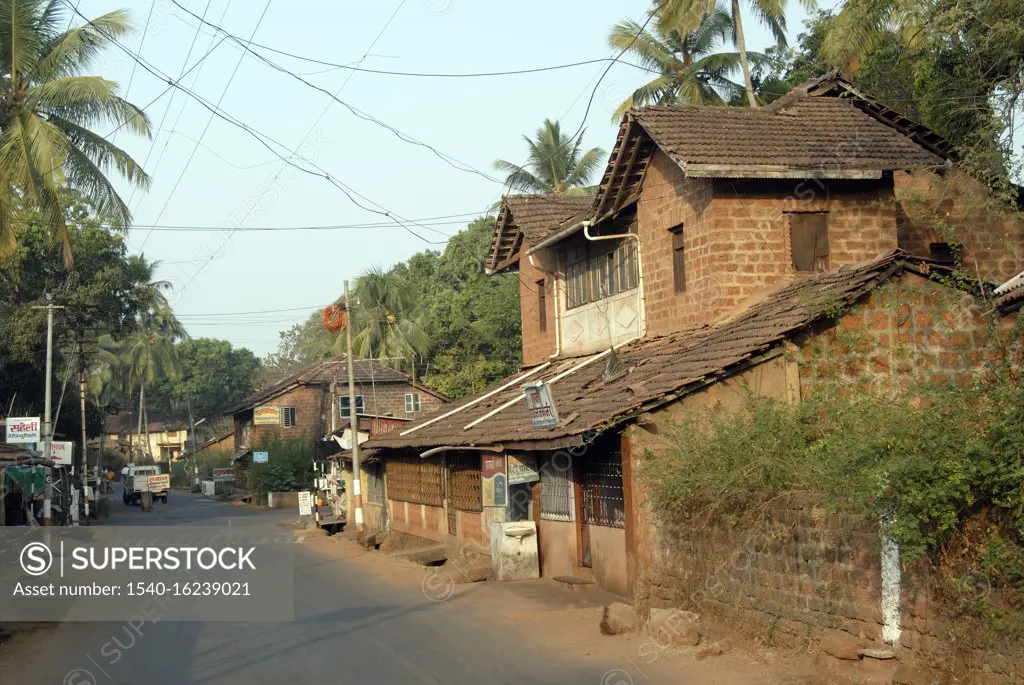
202	135
142	42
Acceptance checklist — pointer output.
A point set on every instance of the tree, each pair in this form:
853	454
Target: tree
387	320
212	376
556	164
150	352
683	14
689	70
48	113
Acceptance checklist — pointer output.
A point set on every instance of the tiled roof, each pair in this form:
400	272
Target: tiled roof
125	422
1011	293
648	372
814	133
323	373
535	218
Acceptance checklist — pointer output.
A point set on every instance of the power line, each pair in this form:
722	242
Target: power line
202	135
142	42
401	135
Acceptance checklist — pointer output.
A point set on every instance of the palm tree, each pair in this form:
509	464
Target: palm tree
387	320
682	15
148	352
48	110
861	27
556	164
689	70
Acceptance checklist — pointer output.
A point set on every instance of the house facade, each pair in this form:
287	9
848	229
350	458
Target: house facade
308	403
167	436
722	244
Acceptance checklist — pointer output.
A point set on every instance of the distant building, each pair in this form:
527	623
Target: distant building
167	435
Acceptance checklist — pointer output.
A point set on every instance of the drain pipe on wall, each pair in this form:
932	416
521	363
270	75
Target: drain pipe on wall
641	301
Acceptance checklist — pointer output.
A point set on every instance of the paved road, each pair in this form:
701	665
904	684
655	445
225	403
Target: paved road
348	628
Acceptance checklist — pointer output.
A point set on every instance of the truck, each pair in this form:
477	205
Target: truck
136	481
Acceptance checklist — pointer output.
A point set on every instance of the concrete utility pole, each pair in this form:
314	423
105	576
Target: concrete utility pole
81	399
47	425
353	420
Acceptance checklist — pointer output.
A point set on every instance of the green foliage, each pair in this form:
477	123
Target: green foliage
471	319
290	467
924	461
212	376
557	163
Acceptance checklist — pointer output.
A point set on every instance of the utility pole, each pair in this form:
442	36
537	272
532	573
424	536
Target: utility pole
81	400
47	426
353	420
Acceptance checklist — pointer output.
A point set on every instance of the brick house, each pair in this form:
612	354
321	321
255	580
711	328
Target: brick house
722	245
300	406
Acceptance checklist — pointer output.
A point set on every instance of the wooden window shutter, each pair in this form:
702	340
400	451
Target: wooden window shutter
678	259
808	236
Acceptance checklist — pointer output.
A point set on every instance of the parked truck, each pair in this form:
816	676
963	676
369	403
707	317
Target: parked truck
136	481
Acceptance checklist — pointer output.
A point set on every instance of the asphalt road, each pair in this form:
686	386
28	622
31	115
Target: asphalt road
349	628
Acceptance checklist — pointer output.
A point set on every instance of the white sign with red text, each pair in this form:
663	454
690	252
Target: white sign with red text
61	453
23	429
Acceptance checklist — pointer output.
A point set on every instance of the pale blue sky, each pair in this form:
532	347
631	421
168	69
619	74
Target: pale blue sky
231	177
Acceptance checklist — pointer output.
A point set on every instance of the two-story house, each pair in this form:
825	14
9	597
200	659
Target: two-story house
309	403
721	242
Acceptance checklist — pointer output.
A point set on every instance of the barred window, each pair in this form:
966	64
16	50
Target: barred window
594	272
288	416
414	479
601	485
464	486
556	497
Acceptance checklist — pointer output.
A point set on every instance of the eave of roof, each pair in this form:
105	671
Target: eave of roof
649	372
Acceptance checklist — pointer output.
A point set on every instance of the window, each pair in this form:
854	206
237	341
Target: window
542	306
413	479
808	237
556	499
288	416
462	477
343	406
598	270
601	485
678	259
943	253
412	402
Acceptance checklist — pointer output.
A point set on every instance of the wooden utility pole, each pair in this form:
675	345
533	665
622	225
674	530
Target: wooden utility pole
353	420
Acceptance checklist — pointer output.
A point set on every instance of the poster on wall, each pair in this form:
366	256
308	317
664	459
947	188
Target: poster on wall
266	416
522	468
540	405
494	482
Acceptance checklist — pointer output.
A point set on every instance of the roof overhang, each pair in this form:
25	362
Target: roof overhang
760	171
557	237
505	242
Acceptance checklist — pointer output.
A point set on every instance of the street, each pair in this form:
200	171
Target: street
349	626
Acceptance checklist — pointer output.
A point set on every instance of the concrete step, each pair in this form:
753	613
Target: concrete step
427	556
576	582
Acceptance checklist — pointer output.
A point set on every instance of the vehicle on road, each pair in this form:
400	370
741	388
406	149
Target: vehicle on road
136	481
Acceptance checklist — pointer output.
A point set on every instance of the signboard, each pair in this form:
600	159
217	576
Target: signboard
224	474
61	453
522	468
540	405
266	416
159	482
23	429
305	504
493	481
260	457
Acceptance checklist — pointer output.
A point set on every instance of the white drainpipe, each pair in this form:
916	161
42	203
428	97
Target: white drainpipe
558	321
639	271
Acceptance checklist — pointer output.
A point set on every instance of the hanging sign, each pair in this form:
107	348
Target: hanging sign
493	481
540	405
60	453
23	430
522	468
266	416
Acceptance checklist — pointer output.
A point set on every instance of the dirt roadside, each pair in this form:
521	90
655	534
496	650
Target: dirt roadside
542	611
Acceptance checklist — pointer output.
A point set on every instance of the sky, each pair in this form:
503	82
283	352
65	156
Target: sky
245	285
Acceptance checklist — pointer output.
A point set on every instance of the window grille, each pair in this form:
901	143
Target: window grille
556	497
464	488
288	416
594	272
417	480
343	406
601	484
